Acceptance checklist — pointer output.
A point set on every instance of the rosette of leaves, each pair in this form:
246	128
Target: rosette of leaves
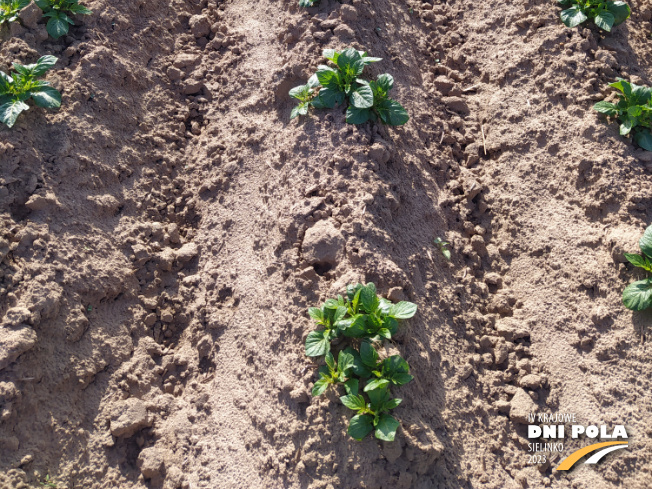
638	296
9	10
364	316
59	13
605	14
21	85
331	86
633	110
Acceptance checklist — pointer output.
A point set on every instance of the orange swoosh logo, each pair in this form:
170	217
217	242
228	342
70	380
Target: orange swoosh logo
569	461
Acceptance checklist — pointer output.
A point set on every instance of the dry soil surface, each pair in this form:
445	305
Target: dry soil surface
163	234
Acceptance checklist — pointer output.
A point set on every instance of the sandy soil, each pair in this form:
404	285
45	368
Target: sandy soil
153	275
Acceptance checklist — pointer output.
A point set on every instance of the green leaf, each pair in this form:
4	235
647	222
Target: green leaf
347	58
645	242
357	116
385	333
351	387
79	9
385	81
362	97
368	355
317	344
401	379
387	426
627	126
44	64
46	97
330	361
636	260
340	312
313	81
643	139
368	59
391	325
606	108
344	361
331	55
369	299
331	304
391	404
9	111
403	310
638	296
360	426
353	402
58	26
446	253
5	83
376	384
604	20
320	386
355	302
328	98
43	5
620	11
328	77
640	96
573	16
316	314
357	327
624	86
392	113
302	92
395	365
358	368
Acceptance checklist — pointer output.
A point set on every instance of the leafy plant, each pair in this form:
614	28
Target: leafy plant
442	247
368	318
59	12
638	296
21	85
331	86
633	111
308	3
605	14
9	9
48	482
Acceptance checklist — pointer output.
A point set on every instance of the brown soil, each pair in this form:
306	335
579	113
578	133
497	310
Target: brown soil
154	276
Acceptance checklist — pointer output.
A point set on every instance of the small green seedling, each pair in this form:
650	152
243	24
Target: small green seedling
308	3
605	14
362	319
48	482
9	10
442	247
372	414
59	12
638	296
367	100
633	111
22	85
333	373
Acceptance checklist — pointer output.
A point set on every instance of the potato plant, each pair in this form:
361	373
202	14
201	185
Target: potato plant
363	320
605	14
21	85
633	110
638	296
59	13
368	100
9	10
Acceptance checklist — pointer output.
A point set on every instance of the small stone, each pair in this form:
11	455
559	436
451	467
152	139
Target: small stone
26	459
174	74
167	316
487	341
348	13
151	462
199	25
457	104
396	294
40	202
521	406
16	316
379	153
493	278
129	417
323	244
187	252
30	15
530	381
501	353
503	406
186	59
466	371
511	329
14	341
191	87
343	31
444	84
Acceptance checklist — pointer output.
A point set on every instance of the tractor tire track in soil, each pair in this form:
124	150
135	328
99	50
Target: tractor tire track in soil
165	232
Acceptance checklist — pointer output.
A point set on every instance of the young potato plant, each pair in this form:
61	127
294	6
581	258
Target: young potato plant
605	14
21	85
331	86
365	319
638	296
9	10
308	3
59	12
633	111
